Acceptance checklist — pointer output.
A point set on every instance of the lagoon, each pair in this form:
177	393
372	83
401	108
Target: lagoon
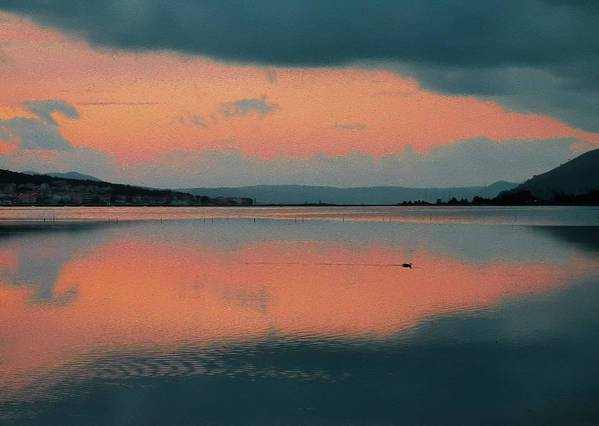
299	315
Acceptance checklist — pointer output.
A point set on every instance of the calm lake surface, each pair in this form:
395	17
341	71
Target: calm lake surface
299	316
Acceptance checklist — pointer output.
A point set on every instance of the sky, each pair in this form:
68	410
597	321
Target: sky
320	92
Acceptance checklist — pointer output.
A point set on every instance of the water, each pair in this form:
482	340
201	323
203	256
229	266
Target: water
299	316
532	216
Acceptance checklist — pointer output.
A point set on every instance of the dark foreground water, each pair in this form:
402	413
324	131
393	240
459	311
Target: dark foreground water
299	316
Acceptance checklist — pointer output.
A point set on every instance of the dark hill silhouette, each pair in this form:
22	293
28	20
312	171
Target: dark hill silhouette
35	189
8	177
577	176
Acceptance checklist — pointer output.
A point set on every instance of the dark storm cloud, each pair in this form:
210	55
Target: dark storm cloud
458	47
568	93
323	32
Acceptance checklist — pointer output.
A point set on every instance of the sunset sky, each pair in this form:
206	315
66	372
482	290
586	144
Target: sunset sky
215	93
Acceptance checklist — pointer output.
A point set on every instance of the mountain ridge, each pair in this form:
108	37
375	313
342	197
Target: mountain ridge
313	194
66	175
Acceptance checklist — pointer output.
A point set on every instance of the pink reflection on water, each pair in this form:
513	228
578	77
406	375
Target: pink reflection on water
141	292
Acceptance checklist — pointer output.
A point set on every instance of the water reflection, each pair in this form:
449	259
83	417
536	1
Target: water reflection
33	256
303	310
522	215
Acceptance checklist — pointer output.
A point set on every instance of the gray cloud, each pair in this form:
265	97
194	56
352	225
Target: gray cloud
532	55
40	146
42	131
192	120
45	110
30	133
198	121
238	108
243	107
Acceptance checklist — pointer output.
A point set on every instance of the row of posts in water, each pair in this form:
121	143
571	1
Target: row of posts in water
53	219
211	219
295	219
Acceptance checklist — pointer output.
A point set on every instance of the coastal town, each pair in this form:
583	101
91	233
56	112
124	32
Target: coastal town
41	190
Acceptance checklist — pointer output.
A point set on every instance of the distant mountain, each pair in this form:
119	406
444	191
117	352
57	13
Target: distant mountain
75	176
67	175
577	176
300	194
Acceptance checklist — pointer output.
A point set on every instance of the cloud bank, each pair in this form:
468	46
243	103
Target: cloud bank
467	163
36	143
532	55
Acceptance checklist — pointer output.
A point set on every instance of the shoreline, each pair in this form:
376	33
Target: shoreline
287	205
